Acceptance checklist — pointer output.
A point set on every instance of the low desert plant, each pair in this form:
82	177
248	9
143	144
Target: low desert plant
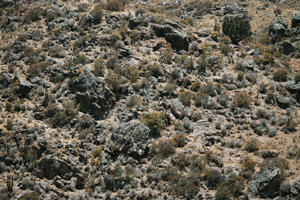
162	149
179	140
99	67
212	177
30	196
241	100
155	70
232	187
185	98
251	145
132	73
155	121
114	5
97	15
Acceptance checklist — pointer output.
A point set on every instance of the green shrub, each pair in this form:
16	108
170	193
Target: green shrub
162	149
155	121
280	75
251	145
236	27
241	100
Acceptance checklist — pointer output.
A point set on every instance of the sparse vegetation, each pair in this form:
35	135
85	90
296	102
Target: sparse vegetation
155	121
162	149
251	145
241	100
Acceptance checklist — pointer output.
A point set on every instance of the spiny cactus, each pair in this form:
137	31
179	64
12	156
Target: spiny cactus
236	27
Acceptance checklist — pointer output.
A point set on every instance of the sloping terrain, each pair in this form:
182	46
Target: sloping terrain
150	99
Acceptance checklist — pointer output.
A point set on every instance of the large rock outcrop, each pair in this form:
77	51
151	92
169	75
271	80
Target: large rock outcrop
90	92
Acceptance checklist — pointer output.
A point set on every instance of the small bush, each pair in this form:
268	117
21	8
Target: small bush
225	45
280	75
99	67
115	81
232	187
163	149
251	145
134	100
63	116
167	56
82	7
248	167
195	86
80	59
132	73
114	5
97	155
30	196
9	124
33	15
170	88
185	98
97	15
156	70
241	100
212	177
155	121
179	140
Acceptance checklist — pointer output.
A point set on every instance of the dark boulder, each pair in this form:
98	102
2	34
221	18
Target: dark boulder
267	183
90	92
296	19
278	29
286	47
24	88
176	38
132	139
49	167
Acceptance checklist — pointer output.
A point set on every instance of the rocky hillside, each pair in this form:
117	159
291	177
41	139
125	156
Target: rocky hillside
150	99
